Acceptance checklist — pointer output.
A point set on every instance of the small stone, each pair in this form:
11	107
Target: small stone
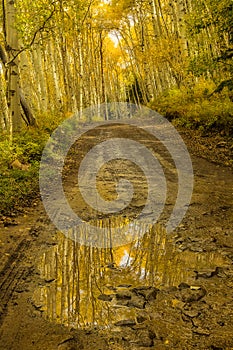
122	302
195	287
137	303
69	344
123	295
183	285
177	304
206	274
141	319
105	297
145	338
125	323
124	285
201	331
149	293
111	288
49	280
190	295
196	249
220	272
37	305
191	313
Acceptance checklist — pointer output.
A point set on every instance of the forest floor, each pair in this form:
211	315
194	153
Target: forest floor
189	306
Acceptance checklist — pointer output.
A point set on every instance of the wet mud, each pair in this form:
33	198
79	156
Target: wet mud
154	290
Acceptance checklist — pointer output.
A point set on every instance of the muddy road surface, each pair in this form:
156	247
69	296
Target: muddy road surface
139	289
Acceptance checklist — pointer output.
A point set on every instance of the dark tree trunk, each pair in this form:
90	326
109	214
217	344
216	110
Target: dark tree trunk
28	116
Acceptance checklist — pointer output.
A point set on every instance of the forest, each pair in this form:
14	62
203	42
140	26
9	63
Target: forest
62	56
116	159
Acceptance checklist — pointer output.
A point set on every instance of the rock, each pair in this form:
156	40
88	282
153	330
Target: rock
124	286
196	249
9	222
37	304
195	287
206	274
16	164
137	303
219	271
49	280
69	344
201	331
191	313
149	293
122	302
123	295
105	297
111	288
125	323
141	319
183	285
178	304
190	295
145	338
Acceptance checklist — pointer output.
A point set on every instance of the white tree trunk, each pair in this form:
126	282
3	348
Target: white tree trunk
13	69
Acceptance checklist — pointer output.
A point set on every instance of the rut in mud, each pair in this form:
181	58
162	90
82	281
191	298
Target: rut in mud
157	290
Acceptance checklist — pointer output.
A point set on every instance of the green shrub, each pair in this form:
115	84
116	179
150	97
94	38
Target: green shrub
48	122
197	108
19	187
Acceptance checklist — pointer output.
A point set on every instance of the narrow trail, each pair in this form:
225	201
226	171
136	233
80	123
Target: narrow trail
171	291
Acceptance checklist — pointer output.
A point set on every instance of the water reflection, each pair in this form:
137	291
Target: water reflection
74	276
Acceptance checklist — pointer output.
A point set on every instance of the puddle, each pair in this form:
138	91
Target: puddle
80	283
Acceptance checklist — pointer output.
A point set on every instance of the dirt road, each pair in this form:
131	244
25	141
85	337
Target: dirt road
160	291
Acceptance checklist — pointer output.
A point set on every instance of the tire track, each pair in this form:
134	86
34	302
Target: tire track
12	274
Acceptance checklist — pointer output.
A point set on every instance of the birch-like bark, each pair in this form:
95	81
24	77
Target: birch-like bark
12	46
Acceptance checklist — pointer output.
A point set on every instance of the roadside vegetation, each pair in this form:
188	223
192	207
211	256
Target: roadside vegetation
19	166
198	107
20	161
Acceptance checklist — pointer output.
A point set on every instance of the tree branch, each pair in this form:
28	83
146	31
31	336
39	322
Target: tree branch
39	30
88	10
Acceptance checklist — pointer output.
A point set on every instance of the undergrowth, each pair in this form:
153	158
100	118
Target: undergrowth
19	187
198	108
